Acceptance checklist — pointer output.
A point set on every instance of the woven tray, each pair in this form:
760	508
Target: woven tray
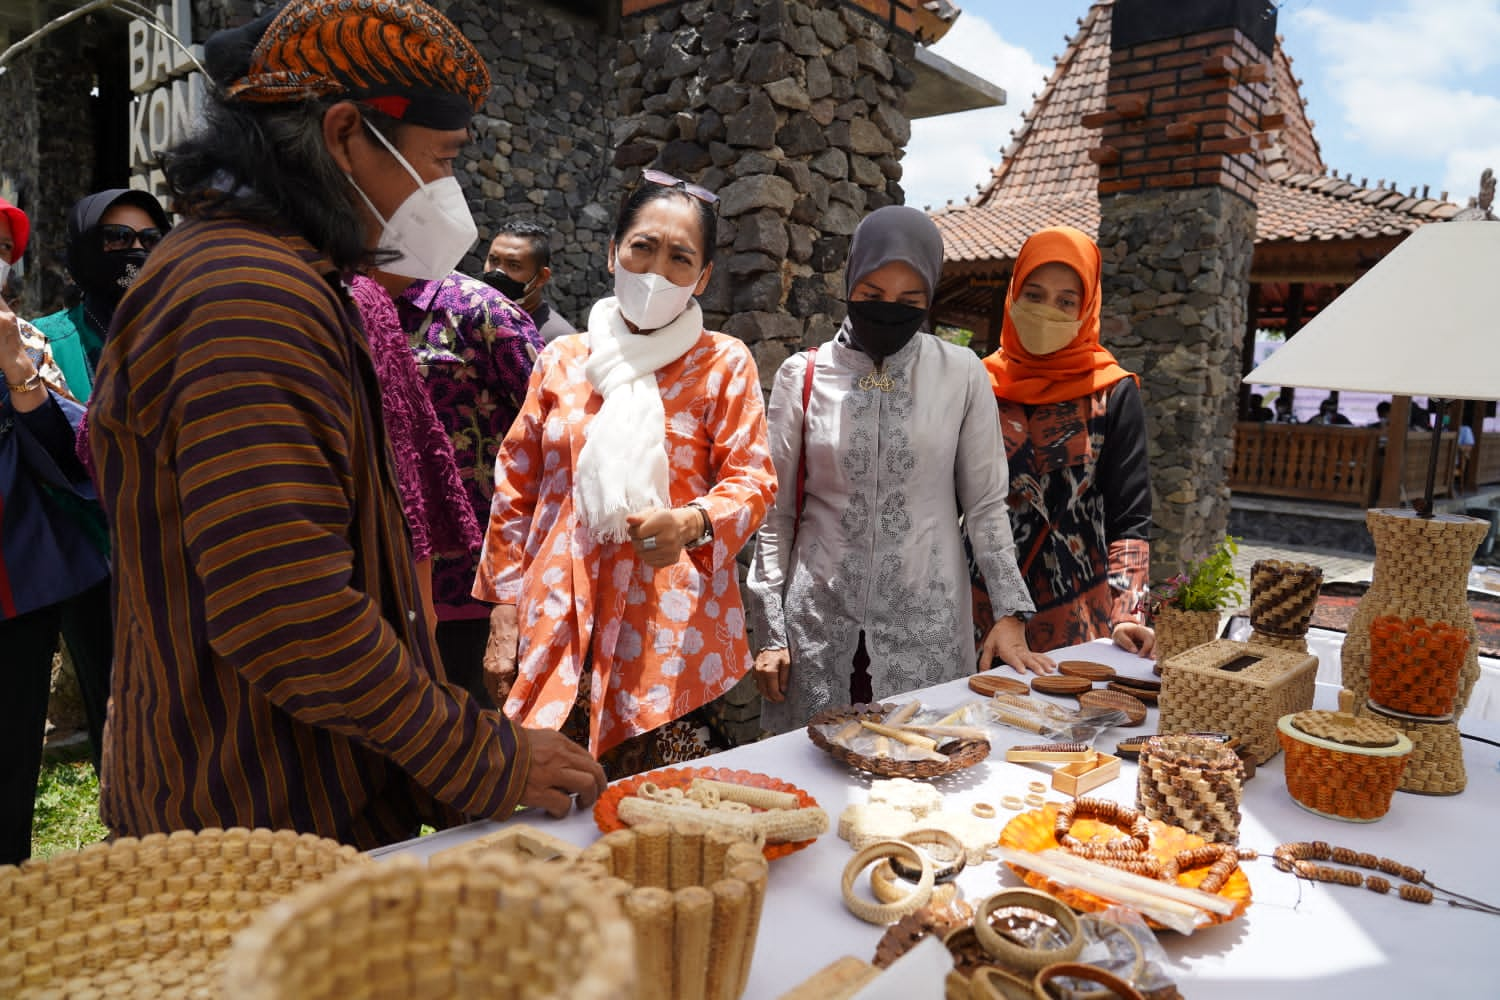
148	917
960	753
467	927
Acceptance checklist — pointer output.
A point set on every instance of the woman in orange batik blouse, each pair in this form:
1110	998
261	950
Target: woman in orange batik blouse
636	470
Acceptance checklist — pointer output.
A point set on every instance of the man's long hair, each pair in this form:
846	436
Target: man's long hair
269	165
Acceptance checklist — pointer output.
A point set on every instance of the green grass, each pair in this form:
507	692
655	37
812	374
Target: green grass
67	804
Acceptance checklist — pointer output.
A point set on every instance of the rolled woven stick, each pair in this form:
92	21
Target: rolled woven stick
731	932
901	736
622	848
776	825
760	798
653	841
952	732
753	873
1018	719
1170	890
695	919
687	854
902	714
1157	900
716	844
651	912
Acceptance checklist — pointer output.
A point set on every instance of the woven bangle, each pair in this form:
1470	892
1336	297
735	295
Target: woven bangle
942	871
1088	973
1018	956
983	810
1012	802
888	887
887	913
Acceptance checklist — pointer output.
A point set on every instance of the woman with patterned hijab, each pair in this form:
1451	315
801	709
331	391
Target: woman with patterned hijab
883	439
1075	437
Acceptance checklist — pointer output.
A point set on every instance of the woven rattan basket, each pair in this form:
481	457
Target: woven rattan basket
495	926
960	753
1192	783
694	899
1178	631
1236	688
1283	596
1340	766
147	918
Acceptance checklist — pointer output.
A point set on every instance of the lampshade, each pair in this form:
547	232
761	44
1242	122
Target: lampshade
1422	322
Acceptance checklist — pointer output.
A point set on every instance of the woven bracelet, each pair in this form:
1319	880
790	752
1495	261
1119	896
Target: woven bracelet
887	913
1088	973
1016	956
888	887
942	871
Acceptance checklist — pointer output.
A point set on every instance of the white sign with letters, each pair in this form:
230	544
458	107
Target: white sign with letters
168	91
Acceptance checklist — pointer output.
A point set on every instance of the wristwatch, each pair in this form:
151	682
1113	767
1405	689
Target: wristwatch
708	526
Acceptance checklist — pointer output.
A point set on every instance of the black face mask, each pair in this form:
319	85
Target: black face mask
505	285
882	328
113	273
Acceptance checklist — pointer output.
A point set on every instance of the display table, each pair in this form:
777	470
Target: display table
1298	939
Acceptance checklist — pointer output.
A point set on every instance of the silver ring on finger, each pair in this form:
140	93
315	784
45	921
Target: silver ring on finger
649	542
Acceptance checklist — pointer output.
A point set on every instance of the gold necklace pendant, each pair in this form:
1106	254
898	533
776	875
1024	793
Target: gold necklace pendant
877	380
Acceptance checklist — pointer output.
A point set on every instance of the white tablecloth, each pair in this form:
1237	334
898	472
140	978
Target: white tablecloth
1298	940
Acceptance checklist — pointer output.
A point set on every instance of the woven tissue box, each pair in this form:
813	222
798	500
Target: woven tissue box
1238	688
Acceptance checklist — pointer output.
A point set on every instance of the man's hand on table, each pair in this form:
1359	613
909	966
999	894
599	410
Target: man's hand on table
559	769
1134	638
1007	642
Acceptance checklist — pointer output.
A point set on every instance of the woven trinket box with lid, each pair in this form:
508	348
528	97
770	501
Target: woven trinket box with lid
1238	688
1342	766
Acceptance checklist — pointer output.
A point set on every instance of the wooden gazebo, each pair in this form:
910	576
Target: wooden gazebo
1316	232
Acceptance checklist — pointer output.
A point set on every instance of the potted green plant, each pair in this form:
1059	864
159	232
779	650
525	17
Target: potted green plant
1185	610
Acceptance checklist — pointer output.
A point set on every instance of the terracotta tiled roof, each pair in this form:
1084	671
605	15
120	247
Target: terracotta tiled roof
1046	177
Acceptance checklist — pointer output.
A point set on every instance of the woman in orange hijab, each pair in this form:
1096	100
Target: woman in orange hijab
1075	439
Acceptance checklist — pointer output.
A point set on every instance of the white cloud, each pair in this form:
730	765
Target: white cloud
1405	80
949	154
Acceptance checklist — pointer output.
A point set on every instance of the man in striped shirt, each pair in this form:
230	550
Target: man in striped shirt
274	666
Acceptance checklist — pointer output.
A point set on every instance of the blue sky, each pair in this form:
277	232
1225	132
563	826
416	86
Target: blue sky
1404	90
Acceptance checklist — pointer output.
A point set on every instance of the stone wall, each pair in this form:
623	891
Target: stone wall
543	148
1176	277
792	112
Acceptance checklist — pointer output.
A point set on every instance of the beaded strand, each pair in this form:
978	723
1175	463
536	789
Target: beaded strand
1300	857
1131	853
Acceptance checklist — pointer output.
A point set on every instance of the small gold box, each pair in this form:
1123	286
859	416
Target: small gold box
1084	776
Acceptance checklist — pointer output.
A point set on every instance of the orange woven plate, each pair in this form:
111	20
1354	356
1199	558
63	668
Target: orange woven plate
607	815
1033	831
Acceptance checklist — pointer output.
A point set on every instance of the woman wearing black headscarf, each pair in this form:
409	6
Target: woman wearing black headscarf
882	440
109	235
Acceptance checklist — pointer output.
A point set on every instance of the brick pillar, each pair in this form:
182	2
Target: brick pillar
1178	176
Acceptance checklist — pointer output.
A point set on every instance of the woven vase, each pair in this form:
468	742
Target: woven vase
1421	570
1415	665
1283	596
1178	631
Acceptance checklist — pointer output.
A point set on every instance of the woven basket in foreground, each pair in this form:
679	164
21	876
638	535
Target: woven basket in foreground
493	926
960	753
151	917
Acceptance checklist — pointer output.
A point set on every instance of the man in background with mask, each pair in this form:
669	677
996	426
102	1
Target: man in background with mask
110	233
474	349
274	663
519	266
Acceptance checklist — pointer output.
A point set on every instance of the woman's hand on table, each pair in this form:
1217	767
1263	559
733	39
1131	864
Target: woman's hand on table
772	668
559	770
1134	638
659	534
1007	642
500	653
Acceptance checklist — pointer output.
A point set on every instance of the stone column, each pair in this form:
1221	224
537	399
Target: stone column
1178	177
793	112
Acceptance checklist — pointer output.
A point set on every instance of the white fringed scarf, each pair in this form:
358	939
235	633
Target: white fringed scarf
622	467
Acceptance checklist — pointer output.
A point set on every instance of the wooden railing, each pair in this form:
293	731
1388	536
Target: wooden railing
1414	471
1331	464
1487	459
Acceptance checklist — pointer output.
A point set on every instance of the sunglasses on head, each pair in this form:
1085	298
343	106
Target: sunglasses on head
116	237
664	179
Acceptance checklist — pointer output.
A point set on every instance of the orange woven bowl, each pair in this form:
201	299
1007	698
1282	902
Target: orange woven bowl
607	809
1033	831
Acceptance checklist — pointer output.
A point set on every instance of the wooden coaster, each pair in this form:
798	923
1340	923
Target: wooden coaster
1133	707
1055	684
1145	694
1141	683
990	685
1086	668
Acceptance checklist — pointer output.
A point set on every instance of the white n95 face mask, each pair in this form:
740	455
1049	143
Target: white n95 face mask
431	230
649	300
